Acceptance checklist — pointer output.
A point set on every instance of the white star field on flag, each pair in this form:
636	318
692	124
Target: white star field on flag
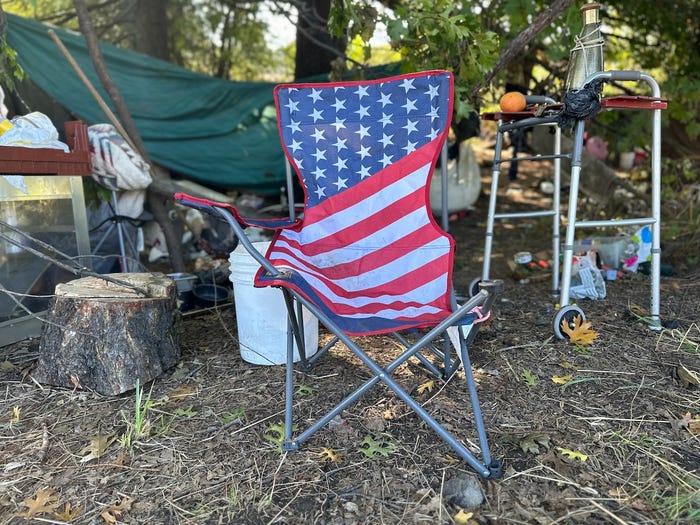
367	250
338	135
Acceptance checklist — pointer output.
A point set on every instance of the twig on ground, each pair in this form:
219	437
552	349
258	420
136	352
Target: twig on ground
607	512
279	513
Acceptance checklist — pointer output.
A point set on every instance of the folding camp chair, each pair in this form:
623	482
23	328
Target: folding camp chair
366	256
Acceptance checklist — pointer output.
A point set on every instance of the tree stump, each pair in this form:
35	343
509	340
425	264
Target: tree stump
104	337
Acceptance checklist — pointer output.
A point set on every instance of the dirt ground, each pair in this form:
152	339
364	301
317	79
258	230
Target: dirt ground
616	442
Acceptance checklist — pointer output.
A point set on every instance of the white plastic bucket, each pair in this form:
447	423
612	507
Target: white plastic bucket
626	160
261	314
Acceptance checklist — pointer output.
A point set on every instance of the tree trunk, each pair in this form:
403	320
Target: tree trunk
316	49
151	28
156	203
676	143
105	337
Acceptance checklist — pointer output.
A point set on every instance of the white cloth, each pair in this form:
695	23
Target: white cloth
117	167
33	130
586	279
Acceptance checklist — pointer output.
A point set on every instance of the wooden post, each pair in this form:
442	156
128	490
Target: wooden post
103	337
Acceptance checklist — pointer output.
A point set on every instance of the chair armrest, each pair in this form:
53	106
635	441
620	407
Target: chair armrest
231	216
212	207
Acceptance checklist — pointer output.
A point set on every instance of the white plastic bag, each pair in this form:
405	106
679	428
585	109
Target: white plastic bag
586	279
33	130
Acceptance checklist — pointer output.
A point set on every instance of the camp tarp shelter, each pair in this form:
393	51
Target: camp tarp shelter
212	131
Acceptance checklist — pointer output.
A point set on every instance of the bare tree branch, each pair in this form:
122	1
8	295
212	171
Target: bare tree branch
156	202
522	39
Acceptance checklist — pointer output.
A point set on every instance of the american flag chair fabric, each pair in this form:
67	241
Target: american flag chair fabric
366	255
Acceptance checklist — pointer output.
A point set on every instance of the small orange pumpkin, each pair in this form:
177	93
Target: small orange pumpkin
513	101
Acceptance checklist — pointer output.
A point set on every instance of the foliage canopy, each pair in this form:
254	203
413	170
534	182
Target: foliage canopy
227	39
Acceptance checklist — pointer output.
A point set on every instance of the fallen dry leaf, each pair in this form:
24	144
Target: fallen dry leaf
450	460
44	501
122	459
565	364
691	423
532	442
624	498
426	387
181	392
572	454
688	377
562	380
97	447
330	455
67	514
113	512
463	517
581	333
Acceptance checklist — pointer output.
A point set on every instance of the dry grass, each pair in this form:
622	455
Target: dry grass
201	456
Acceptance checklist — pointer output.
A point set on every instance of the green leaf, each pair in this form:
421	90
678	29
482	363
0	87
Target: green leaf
529	377
396	30
532	442
187	412
305	390
236	415
371	447
276	433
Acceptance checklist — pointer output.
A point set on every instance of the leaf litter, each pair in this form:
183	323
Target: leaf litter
212	455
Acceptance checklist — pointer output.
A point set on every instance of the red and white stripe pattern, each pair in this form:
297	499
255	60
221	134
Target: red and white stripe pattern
368	251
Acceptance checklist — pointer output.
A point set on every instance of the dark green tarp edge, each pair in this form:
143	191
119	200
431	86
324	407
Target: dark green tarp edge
215	132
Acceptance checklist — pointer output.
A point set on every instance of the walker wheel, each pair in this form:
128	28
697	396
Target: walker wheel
474	287
566	314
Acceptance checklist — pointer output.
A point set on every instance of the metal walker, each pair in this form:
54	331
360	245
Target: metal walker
548	116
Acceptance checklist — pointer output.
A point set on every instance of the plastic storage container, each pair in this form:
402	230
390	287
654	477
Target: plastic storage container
610	249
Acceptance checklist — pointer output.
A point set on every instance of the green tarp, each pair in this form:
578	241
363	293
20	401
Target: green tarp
216	132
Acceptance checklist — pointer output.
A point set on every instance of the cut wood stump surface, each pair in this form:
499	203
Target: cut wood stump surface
104	337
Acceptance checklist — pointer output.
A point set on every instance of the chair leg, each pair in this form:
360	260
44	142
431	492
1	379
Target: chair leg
295	328
487	468
494	467
424	360
289	385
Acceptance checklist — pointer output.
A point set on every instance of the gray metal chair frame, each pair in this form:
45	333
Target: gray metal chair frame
485	466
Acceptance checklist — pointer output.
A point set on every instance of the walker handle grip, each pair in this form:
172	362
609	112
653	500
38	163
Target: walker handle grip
539	99
624	76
